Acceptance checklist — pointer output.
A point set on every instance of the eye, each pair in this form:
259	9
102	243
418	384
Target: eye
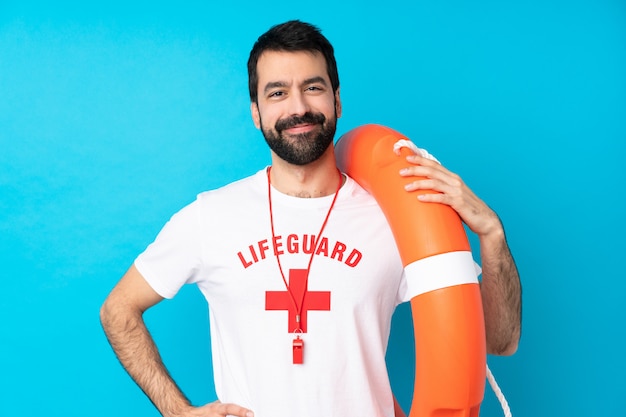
314	88
276	94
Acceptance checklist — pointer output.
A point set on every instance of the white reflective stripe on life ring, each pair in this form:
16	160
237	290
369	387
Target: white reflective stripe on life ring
441	271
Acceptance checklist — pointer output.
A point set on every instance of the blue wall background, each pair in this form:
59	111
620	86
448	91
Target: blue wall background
113	115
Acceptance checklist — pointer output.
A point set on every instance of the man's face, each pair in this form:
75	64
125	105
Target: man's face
297	110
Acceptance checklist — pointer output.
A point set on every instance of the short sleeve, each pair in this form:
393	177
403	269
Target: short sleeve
174	258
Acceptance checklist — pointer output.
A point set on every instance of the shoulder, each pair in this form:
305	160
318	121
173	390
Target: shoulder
251	187
353	194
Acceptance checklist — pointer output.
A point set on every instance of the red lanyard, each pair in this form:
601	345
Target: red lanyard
298	344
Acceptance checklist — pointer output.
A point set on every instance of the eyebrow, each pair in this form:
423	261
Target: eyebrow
308	81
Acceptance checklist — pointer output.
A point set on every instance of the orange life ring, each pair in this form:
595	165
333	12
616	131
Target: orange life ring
448	322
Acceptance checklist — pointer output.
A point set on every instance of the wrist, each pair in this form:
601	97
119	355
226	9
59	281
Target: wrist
493	233
179	410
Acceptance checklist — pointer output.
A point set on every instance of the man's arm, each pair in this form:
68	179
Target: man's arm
500	288
121	316
501	293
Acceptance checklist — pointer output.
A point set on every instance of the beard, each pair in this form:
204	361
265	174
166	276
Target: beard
302	148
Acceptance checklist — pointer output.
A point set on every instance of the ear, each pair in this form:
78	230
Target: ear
256	116
338	103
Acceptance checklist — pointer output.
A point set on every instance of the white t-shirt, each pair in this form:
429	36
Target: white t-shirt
223	243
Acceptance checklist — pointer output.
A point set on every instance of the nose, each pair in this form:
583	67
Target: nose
298	104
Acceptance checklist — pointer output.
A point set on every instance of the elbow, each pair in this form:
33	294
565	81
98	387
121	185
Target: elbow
105	314
504	346
112	313
507	350
117	314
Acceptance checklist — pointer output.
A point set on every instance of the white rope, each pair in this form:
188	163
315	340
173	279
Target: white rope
405	143
496	389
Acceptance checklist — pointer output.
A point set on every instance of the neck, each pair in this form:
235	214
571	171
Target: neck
317	179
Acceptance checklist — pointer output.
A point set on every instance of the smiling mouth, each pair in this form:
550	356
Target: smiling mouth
303	128
300	124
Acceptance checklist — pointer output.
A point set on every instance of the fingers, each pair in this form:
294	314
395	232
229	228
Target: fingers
219	409
235	410
450	190
424	167
432	176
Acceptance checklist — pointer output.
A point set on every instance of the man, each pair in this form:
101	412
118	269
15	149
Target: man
297	262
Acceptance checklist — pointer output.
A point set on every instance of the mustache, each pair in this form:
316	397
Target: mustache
306	118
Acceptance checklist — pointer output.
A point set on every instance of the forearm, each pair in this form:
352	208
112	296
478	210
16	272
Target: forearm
136	350
501	293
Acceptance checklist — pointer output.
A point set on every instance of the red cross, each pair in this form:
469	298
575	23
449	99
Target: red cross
313	300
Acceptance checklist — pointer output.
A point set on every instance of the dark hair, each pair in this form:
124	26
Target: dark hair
292	36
